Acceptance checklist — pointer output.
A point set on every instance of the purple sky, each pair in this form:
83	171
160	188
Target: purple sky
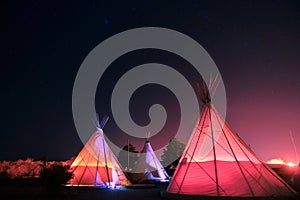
255	44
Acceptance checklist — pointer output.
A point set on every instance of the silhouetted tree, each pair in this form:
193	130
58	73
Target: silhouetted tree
172	153
123	157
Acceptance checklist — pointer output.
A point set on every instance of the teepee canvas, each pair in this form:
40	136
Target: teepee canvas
96	165
216	162
149	167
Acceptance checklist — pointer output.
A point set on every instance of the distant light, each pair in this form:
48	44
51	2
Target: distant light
276	161
281	162
291	164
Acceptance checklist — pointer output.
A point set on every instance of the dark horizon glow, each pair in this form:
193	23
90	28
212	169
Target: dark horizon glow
255	45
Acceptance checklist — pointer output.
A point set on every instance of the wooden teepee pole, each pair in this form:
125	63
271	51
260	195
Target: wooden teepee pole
128	154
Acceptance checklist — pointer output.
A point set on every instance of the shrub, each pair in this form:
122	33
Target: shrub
55	175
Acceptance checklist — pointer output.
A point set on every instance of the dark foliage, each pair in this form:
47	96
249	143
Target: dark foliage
4	175
123	157
172	153
55	175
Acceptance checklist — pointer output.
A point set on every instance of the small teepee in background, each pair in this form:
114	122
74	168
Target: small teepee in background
96	164
149	167
216	161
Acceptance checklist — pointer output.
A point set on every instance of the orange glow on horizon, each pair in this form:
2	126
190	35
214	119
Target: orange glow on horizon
281	162
276	161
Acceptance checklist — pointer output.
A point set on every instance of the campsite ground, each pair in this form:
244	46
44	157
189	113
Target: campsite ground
33	189
80	193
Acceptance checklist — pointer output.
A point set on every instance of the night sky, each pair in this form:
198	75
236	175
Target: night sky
255	44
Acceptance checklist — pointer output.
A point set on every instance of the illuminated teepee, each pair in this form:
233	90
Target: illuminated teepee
96	164
149	167
216	161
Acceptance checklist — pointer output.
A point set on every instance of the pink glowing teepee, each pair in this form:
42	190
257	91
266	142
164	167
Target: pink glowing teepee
216	162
